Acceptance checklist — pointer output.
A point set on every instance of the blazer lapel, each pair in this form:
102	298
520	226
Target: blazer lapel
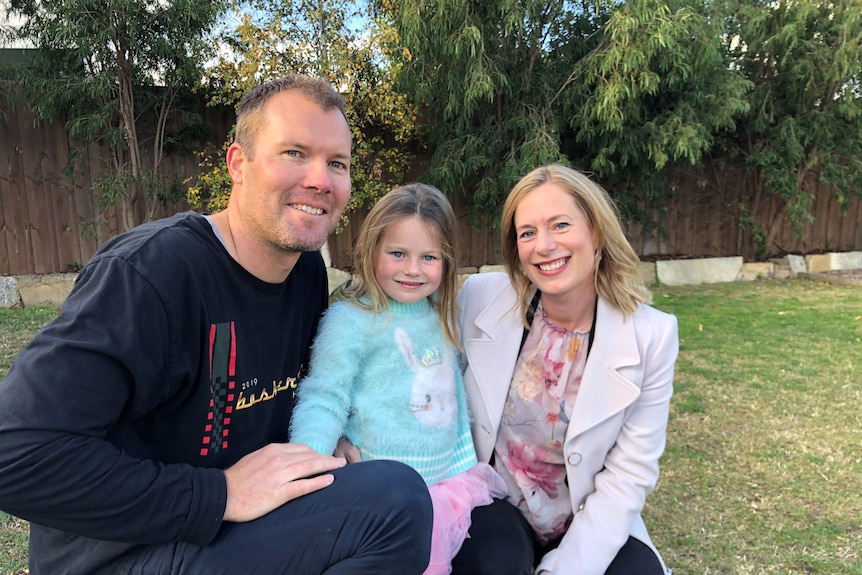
604	390
492	355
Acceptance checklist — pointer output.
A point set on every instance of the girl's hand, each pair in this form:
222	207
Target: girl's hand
347	450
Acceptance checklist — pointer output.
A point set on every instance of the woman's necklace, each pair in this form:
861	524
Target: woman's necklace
559	329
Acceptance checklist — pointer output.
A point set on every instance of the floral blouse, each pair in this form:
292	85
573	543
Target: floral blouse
529	448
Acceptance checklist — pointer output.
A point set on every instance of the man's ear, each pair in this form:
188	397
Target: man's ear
235	160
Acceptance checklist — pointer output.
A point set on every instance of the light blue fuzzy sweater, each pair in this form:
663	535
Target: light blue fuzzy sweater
391	384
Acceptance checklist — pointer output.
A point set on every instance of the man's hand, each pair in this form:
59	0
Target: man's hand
268	478
347	450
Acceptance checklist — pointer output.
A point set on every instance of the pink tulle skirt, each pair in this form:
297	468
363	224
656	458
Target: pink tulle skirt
453	499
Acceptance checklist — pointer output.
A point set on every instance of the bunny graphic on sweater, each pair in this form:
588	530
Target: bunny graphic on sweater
433	392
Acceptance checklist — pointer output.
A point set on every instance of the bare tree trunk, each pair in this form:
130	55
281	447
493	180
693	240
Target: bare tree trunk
159	148
130	134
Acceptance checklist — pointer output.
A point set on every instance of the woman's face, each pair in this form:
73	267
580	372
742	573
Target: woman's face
555	241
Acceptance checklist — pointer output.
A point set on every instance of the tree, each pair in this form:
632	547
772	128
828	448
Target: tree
804	59
618	89
657	91
97	65
316	37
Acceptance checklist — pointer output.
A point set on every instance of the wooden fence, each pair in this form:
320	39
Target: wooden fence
43	213
48	213
702	220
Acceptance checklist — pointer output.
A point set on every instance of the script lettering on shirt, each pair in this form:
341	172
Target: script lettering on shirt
268	392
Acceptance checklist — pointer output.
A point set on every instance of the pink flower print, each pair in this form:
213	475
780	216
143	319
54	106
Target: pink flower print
528	381
530	468
553	368
560	526
553	371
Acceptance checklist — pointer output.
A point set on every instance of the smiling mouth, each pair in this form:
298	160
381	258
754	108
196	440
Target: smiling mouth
411	284
554	265
307	209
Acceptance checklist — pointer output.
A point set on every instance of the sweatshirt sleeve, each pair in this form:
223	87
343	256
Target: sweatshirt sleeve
324	396
105	358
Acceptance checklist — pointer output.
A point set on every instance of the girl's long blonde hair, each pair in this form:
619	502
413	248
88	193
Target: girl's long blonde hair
433	209
616	272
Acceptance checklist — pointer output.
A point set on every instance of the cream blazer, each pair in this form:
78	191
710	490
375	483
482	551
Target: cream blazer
618	422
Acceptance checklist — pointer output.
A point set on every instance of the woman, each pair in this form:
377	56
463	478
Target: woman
569	375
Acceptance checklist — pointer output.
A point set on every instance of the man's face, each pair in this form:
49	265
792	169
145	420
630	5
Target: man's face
295	184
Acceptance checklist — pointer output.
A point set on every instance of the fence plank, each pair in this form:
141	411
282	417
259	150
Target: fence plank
23	248
9	168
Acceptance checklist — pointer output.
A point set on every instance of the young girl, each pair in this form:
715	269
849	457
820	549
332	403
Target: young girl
384	369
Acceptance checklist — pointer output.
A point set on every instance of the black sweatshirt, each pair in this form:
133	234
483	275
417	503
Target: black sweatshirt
167	363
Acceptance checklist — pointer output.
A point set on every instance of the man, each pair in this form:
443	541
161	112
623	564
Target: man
143	430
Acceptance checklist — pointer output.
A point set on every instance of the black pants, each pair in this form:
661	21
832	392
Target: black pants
374	519
501	543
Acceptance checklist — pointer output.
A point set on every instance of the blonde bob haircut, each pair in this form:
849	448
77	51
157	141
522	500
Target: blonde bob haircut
616	270
431	207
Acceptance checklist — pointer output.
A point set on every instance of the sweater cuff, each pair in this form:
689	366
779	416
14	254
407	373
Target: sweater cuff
207	507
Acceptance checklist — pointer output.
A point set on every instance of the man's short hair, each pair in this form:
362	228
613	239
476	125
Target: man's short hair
248	114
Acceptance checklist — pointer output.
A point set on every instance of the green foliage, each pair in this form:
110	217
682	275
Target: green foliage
804	59
626	89
212	186
618	89
656	91
758	236
315	38
96	65
480	73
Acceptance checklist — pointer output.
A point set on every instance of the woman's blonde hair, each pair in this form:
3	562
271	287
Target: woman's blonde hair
431	207
616	271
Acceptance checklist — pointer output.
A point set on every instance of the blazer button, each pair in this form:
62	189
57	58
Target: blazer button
574	458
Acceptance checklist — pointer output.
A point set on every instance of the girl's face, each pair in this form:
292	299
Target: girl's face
408	260
555	241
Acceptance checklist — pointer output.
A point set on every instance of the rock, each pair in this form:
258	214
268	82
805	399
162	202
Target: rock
9	296
699	271
45	290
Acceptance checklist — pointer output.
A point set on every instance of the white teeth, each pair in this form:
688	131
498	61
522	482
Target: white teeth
552	266
308	209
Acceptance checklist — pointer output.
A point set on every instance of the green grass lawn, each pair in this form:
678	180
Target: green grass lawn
763	469
17	326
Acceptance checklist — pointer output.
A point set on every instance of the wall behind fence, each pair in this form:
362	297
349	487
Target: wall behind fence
42	213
